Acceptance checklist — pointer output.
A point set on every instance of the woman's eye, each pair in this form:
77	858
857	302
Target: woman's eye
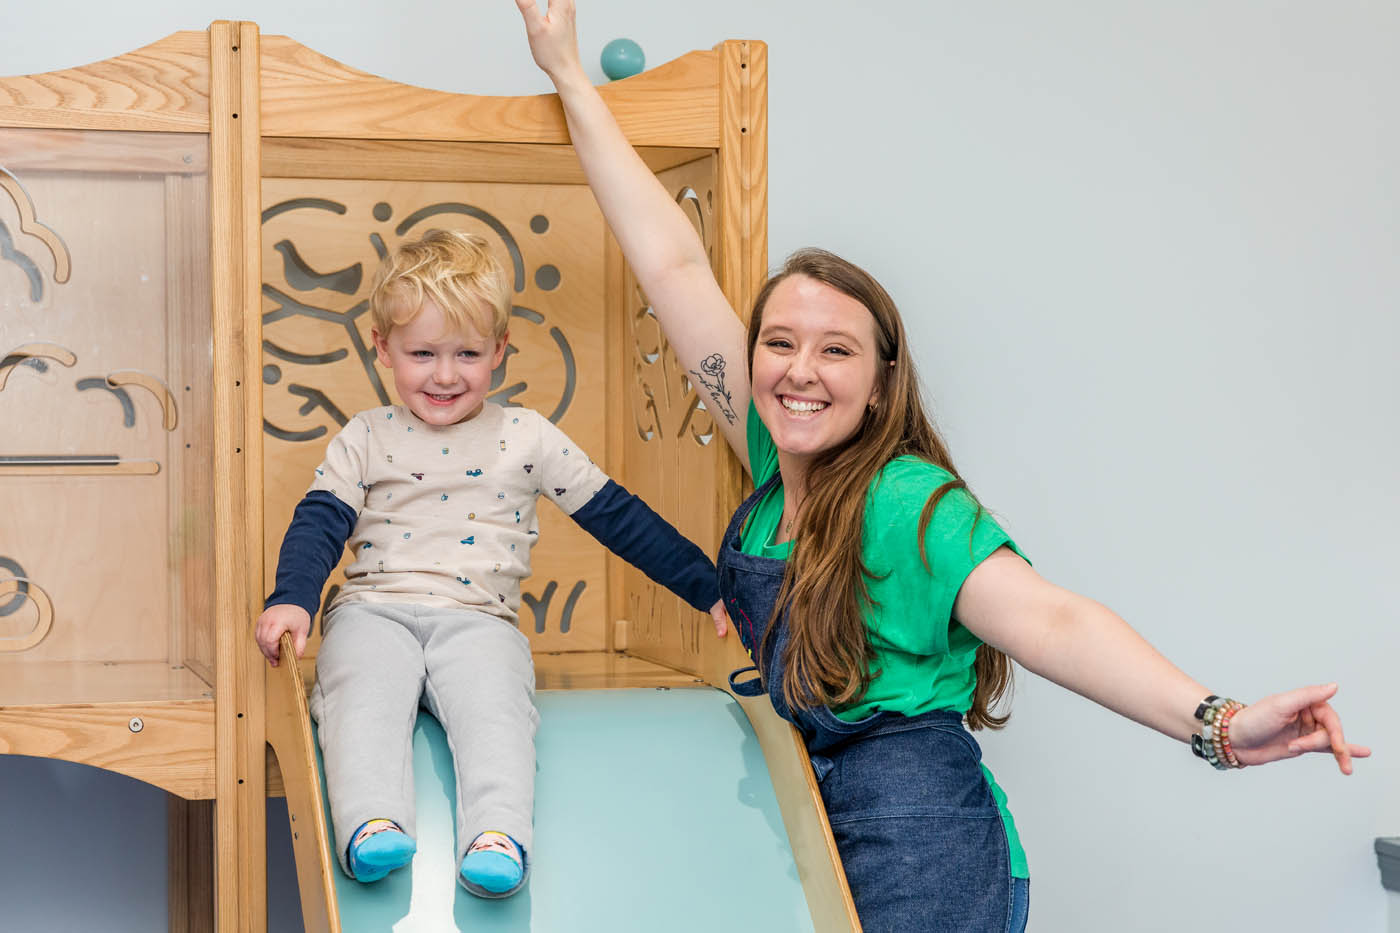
839	351
779	344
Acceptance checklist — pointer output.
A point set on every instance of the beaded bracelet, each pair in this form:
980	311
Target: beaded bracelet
1213	741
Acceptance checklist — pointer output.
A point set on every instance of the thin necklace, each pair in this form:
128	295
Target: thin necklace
787	528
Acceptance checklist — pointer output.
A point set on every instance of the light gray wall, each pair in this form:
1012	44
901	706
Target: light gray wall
1147	255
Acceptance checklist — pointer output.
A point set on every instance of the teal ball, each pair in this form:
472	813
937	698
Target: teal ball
622	58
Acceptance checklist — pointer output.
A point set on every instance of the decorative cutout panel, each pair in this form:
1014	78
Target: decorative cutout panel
105	378
322	242
669	441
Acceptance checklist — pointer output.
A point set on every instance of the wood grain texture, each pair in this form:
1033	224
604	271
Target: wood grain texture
239	766
174	749
251	668
429	160
669	441
288	720
305	93
110	151
162	86
190	865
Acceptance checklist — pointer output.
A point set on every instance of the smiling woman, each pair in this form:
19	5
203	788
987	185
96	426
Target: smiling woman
878	599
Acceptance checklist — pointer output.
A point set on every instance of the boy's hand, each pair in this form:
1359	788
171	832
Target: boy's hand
553	38
721	618
278	619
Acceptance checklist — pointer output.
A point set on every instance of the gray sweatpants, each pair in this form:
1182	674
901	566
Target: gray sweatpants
471	670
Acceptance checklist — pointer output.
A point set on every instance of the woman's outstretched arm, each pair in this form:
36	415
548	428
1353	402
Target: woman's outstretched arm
660	244
1087	648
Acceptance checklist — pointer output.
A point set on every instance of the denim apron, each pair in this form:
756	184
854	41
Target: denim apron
919	833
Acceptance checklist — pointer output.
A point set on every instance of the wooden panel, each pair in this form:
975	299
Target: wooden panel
190	859
304	93
670	444
419	160
97	292
319	253
163	86
174	748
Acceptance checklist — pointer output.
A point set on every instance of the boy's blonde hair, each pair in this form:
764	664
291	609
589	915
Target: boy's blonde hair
456	270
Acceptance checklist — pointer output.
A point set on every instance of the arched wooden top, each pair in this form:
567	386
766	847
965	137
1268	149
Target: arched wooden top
161	86
164	86
305	93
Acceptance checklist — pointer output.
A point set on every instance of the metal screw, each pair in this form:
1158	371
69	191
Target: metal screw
136	725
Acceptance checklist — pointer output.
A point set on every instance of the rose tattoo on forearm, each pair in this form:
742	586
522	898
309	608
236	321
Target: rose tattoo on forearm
711	376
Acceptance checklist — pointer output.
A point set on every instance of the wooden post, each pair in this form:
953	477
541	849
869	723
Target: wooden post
236	275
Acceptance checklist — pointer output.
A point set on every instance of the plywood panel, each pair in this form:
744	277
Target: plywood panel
670	444
89	281
321	243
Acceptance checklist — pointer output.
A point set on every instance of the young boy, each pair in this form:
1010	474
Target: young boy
436	498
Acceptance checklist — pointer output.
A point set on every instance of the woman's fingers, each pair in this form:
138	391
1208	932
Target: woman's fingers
1327	718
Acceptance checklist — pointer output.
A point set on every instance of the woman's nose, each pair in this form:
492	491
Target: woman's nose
801	370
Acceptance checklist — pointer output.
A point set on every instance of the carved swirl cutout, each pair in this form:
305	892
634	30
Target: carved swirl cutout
25	588
28	223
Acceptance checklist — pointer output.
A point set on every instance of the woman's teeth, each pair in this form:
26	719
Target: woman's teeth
794	405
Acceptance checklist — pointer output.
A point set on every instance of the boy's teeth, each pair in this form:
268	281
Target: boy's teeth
795	405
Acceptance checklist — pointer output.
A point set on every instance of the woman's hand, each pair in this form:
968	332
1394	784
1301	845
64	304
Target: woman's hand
553	37
278	619
721	618
1290	724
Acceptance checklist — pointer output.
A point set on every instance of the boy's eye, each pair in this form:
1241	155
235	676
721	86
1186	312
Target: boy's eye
469	354
420	354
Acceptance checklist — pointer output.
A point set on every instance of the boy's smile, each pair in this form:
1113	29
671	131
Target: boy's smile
441	376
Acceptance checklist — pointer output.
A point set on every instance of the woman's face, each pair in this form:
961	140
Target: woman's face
814	367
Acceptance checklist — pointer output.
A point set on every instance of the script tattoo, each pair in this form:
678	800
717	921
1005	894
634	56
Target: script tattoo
711	376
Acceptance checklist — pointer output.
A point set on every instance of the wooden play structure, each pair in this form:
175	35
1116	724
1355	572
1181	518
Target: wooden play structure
187	237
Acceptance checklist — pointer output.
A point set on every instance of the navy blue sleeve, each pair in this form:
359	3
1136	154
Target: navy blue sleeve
630	529
311	548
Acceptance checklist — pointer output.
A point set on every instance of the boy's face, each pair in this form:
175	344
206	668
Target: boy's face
441	376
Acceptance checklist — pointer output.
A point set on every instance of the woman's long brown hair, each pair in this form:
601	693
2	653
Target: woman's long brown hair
825	586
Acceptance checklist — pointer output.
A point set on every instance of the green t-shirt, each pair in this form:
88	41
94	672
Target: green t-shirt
924	658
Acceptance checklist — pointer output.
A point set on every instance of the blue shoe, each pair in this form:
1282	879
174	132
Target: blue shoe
494	866
374	856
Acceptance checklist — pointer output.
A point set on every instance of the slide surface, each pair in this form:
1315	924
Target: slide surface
654	811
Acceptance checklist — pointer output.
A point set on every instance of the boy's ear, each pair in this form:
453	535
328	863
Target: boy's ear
500	349
381	347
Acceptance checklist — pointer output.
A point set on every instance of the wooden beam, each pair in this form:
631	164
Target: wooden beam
113	152
429	160
168	745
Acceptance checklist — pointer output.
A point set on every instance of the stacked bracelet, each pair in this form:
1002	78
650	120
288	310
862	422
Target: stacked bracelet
1213	741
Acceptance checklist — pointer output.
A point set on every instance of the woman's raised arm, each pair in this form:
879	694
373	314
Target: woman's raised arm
659	242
